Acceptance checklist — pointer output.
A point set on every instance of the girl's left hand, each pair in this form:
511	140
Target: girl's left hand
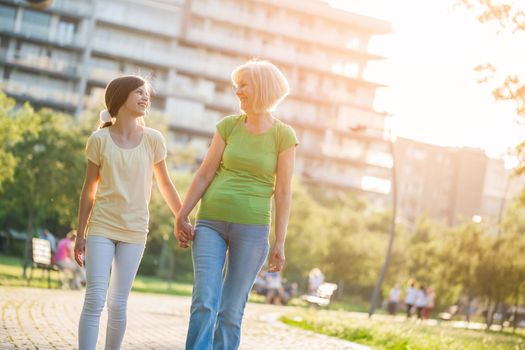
277	259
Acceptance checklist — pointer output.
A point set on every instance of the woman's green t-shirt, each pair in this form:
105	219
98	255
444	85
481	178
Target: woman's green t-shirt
243	187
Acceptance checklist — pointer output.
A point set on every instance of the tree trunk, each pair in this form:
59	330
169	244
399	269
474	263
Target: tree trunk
488	317
468	308
164	260
500	308
28	243
340	289
171	270
516	306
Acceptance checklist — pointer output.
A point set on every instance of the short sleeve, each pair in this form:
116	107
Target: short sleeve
224	127
287	138
93	149
159	149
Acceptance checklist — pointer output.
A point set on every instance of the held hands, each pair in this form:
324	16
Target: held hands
80	249
276	258
183	231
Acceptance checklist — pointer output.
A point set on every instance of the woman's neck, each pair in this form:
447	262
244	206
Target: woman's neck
259	119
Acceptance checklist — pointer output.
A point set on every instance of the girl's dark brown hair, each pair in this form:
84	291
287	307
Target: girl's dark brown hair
117	92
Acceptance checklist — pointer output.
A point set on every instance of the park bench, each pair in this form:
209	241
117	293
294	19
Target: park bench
42	259
447	315
322	296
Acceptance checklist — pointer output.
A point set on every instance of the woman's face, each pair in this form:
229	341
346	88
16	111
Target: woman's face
244	90
138	101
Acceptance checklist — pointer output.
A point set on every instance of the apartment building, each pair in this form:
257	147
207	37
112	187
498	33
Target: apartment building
63	55
500	188
451	185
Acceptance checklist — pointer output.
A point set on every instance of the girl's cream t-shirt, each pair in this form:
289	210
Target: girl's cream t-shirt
121	204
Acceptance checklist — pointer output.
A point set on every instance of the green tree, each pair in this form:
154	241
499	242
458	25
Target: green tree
48	175
424	251
460	257
306	235
14	124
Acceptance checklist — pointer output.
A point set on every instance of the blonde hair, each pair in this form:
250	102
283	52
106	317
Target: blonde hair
269	83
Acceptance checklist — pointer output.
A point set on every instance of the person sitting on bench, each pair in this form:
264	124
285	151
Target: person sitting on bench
64	259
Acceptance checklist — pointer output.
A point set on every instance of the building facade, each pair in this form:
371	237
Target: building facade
452	185
62	56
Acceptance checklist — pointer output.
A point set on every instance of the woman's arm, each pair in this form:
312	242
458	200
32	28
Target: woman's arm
201	181
283	202
87	198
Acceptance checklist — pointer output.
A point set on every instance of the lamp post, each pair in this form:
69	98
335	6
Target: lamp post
392	231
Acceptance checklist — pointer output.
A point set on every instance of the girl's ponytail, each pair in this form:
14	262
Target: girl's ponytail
105	119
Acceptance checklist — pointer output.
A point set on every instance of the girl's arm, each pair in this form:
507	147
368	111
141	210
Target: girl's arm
170	195
201	180
87	198
166	187
283	202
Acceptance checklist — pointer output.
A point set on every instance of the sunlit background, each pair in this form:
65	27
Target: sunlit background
434	91
404	168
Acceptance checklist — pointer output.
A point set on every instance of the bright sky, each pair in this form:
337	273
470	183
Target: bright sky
434	95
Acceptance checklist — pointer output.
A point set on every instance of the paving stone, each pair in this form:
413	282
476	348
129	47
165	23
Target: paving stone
34	318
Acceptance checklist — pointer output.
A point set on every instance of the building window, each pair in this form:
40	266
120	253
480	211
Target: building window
66	31
7	18
4	43
7	73
35	24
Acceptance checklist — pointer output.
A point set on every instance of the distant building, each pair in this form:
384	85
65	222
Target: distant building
451	185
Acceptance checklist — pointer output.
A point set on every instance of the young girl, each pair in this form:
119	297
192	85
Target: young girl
113	216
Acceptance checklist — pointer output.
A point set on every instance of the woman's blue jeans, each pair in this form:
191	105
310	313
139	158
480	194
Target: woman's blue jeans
218	304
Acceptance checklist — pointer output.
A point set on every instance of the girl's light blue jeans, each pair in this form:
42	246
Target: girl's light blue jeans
218	304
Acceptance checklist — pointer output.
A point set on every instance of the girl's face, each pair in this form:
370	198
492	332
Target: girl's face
138	101
243	88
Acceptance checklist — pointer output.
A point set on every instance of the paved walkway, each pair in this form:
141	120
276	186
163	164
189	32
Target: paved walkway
34	318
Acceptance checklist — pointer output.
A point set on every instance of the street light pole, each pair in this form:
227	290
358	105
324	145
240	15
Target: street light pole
392	232
379	284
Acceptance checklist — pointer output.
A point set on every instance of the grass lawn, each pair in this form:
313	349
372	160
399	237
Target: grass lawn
11	275
388	333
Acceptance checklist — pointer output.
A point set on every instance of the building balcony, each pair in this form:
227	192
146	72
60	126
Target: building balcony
29	35
203	123
42	95
281	54
80	8
102	75
321	9
146	54
330	179
34	31
57	68
284	27
164	20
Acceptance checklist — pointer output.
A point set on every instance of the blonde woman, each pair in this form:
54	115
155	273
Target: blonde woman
250	160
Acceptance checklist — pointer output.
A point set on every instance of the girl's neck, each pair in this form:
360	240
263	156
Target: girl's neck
125	124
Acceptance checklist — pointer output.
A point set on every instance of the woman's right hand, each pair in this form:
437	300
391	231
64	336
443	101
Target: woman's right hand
183	231
80	249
